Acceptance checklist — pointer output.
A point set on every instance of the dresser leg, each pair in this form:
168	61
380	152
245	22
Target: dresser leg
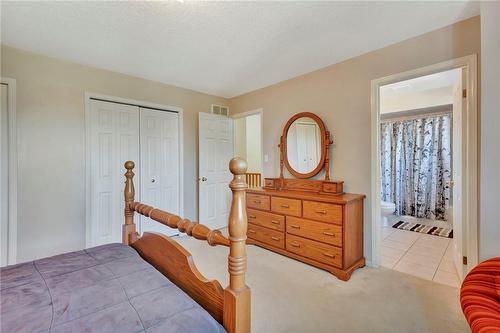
345	275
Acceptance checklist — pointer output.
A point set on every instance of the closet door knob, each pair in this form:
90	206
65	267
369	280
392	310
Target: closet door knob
153	180
203	179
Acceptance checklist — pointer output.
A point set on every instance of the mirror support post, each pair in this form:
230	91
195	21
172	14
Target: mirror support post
327	153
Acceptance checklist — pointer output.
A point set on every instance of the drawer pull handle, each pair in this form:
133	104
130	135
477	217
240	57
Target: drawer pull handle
251	231
328	233
322	212
275	238
326	254
295	244
275	222
295	226
285	206
252	216
256	201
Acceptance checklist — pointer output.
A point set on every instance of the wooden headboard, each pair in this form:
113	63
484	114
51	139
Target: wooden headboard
229	306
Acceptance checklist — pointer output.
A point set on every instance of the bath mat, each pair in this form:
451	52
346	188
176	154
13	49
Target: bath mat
424	229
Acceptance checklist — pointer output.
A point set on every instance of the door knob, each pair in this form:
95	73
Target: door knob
153	180
203	179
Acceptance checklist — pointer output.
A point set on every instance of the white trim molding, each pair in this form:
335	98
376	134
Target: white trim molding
107	98
12	172
469	166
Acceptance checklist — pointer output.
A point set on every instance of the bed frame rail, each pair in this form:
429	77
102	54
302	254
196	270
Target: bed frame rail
229	306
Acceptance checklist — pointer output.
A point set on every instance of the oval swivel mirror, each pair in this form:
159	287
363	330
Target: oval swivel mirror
304	145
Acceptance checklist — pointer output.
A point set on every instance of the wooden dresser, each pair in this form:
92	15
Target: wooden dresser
321	229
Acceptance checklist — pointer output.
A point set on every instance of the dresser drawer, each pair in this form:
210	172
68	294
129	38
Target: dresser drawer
324	253
323	232
321	211
258	201
265	235
265	219
286	206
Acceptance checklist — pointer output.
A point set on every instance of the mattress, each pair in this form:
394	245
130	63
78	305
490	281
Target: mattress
108	288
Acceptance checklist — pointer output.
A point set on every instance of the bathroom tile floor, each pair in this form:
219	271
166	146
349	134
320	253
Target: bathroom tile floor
425	256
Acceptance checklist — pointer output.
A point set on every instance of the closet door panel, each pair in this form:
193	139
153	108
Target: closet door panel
114	139
160	157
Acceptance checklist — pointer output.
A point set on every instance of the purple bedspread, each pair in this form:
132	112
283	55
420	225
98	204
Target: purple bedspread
108	288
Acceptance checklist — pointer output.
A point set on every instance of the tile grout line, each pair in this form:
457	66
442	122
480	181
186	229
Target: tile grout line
441	262
406	252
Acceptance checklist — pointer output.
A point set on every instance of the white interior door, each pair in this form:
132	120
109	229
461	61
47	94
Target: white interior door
4	176
215	151
114	139
459	237
159	165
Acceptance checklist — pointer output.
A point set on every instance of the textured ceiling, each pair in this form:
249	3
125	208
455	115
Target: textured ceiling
221	48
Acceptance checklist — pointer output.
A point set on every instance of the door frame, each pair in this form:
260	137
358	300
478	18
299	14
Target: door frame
88	96
259	111
469	167
12	172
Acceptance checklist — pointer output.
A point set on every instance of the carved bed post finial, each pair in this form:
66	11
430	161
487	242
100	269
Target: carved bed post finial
237	294
129	193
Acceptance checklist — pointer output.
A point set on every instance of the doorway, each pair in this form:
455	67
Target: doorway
122	130
424	171
248	144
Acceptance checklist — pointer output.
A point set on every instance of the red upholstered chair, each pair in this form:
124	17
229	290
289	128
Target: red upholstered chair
480	297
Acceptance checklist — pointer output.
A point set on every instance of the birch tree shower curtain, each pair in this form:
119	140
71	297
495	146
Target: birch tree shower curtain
416	166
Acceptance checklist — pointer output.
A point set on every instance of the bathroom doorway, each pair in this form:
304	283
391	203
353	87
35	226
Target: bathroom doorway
422	200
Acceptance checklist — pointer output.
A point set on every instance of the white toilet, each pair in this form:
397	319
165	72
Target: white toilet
386	209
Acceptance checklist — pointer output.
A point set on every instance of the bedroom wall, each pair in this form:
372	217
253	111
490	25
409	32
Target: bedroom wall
50	118
340	95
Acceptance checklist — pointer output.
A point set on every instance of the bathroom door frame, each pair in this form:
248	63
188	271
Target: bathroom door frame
470	161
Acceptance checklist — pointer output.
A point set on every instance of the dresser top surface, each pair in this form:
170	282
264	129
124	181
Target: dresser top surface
333	198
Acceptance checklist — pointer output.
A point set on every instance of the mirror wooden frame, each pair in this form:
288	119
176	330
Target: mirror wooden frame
324	161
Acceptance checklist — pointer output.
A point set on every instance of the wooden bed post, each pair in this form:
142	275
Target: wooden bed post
237	294
129	230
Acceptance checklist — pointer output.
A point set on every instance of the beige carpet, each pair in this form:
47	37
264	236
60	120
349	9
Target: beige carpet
289	296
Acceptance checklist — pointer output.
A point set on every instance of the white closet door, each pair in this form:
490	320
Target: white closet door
216	150
159	165
114	139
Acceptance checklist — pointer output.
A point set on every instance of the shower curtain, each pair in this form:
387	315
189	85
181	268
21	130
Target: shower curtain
416	166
